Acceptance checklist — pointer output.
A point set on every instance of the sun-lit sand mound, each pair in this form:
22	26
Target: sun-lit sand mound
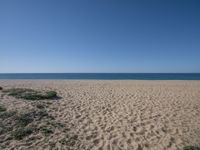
118	115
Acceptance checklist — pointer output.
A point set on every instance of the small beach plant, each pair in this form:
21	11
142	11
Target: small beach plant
2	108
30	94
25	119
7	114
191	148
21	133
46	130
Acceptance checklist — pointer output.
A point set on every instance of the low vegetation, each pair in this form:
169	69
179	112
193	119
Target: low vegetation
2	109
30	94
46	130
1	88
7	114
27	122
21	133
25	119
191	148
19	125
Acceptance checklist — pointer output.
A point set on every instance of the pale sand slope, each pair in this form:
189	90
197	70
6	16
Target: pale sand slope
119	115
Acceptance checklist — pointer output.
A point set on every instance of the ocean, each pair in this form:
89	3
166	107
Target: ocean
102	76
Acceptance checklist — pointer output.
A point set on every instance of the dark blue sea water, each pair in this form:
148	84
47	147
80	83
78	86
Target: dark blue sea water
103	76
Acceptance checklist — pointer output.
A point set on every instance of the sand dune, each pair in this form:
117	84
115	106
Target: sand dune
118	115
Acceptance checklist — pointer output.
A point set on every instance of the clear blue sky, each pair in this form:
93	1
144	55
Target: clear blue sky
99	36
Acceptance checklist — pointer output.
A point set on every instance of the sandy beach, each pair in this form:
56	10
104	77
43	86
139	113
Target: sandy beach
109	115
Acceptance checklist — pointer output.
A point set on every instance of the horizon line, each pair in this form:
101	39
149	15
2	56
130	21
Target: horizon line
99	72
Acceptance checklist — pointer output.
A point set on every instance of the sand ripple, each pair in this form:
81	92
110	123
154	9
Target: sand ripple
120	115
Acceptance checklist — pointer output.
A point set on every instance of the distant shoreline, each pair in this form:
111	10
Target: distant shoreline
102	76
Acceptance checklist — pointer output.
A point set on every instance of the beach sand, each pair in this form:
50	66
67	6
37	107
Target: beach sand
118	115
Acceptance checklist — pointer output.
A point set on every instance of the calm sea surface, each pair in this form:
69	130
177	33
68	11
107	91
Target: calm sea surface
103	76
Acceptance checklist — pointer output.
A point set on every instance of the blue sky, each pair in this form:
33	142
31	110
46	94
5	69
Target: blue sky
99	36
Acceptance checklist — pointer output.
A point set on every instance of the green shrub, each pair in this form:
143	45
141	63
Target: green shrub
21	133
25	119
191	148
17	92
5	114
30	94
2	108
46	130
50	94
5	127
